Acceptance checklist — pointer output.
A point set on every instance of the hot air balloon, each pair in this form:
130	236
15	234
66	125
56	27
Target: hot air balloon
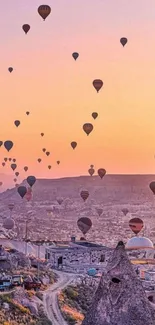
91	171
39	160
44	149
123	41
26	168
3	164
13	166
47	153
22	190
26	28
91	166
49	166
5	159
31	180
125	211
73	144
84	224
16	185
94	115
17	123
152	187
99	211
14	160
1	183
10	69
136	225
60	201
44	11
75	55
11	206
97	83
101	172
58	162
17	174
84	195
42	134
87	128
8	145
8	223
27	113
10	159
15	180
1	142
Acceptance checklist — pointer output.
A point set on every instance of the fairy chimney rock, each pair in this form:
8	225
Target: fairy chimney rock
120	298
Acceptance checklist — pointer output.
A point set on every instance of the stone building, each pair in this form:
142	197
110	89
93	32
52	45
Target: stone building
78	256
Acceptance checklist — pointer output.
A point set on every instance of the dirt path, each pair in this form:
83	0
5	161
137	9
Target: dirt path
50	298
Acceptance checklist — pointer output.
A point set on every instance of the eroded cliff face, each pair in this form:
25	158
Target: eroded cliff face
120	298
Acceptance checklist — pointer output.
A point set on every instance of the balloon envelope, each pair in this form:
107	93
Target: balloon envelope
13	166
22	190
73	144
123	41
84	195
152	187
17	123
88	128
1	142
91	171
125	211
44	11
94	115
26	28
10	69
60	201
97	83
31	180
84	224
26	168
8	145
101	172
136	225
99	211
75	55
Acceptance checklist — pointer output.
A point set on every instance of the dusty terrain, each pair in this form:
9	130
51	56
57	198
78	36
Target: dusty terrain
112	194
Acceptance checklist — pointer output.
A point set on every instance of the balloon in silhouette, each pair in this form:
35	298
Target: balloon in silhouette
14	160
3	164
39	160
58	162
101	172
125	211
26	28
152	187
1	142
31	180
136	225
84	195
94	115
17	174
99	211
123	41
42	134
15	180
87	128
27	113
8	223
8	145
17	123
44	11
84	224
97	83
22	190
10	159
13	166
26	168
75	55
5	159
73	144
91	171
49	166
44	149
60	201
10	69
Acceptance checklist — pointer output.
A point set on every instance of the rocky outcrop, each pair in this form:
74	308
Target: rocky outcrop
120	298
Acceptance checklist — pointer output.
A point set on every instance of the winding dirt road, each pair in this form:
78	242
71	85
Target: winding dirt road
50	297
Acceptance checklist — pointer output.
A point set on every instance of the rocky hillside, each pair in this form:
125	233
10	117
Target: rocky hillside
112	193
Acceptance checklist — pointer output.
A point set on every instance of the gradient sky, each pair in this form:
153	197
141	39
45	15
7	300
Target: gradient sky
58	91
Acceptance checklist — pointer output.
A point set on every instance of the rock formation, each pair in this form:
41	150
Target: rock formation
120	298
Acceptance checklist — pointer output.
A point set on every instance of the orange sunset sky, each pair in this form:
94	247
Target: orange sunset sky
58	91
